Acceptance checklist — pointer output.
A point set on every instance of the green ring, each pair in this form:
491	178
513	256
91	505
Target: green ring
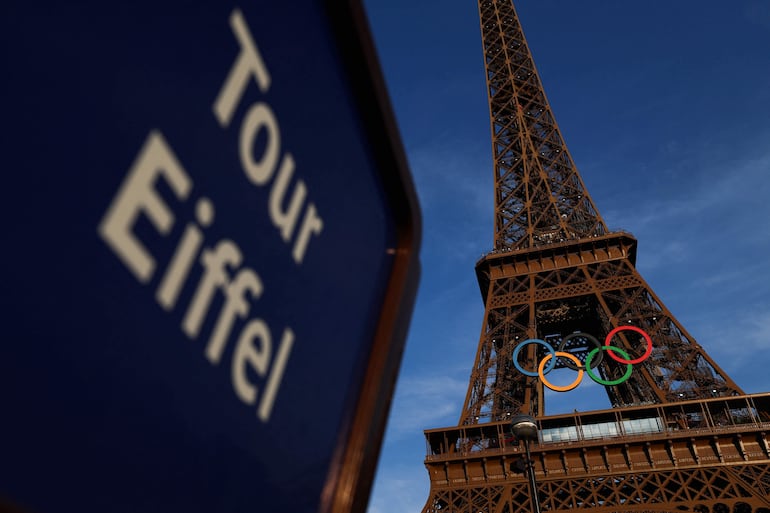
622	379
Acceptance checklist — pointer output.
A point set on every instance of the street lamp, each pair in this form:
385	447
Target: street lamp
524	428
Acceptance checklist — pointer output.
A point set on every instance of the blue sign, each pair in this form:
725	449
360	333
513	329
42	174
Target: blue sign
209	253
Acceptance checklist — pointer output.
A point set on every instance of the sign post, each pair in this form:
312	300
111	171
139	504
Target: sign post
210	258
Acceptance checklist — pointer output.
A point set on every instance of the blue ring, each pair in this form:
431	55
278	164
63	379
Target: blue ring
543	343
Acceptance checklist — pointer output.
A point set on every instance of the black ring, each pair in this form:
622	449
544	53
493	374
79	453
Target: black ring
568	362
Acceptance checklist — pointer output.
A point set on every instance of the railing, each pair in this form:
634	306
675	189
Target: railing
559	242
718	415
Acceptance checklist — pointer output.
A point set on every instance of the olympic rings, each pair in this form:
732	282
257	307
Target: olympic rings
632	328
572	385
535	341
591	338
599	380
592	359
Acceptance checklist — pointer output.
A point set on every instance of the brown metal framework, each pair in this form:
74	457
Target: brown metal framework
706	456
590	286
682	436
539	195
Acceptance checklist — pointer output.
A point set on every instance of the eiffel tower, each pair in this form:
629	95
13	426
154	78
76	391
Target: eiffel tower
681	435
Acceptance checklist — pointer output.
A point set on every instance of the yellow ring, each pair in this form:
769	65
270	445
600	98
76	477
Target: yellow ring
566	388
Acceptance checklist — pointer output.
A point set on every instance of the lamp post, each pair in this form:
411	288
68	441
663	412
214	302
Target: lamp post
524	428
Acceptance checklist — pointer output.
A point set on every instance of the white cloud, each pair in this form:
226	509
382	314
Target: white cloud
452	167
716	186
663	254
721	204
738	340
426	402
395	491
747	335
758	331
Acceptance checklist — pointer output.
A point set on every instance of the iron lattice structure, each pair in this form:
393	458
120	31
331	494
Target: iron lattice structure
681	435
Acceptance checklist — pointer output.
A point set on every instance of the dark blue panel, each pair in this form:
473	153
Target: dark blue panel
109	403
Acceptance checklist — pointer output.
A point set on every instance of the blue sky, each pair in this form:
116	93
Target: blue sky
665	107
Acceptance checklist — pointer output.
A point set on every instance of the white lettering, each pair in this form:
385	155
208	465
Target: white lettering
182	261
276	376
235	305
286	220
214	276
248	64
137	194
260	153
259	116
247	353
311	225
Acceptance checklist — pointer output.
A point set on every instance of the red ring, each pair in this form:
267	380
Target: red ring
632	328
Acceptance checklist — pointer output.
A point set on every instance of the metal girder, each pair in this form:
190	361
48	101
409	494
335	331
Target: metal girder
539	196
